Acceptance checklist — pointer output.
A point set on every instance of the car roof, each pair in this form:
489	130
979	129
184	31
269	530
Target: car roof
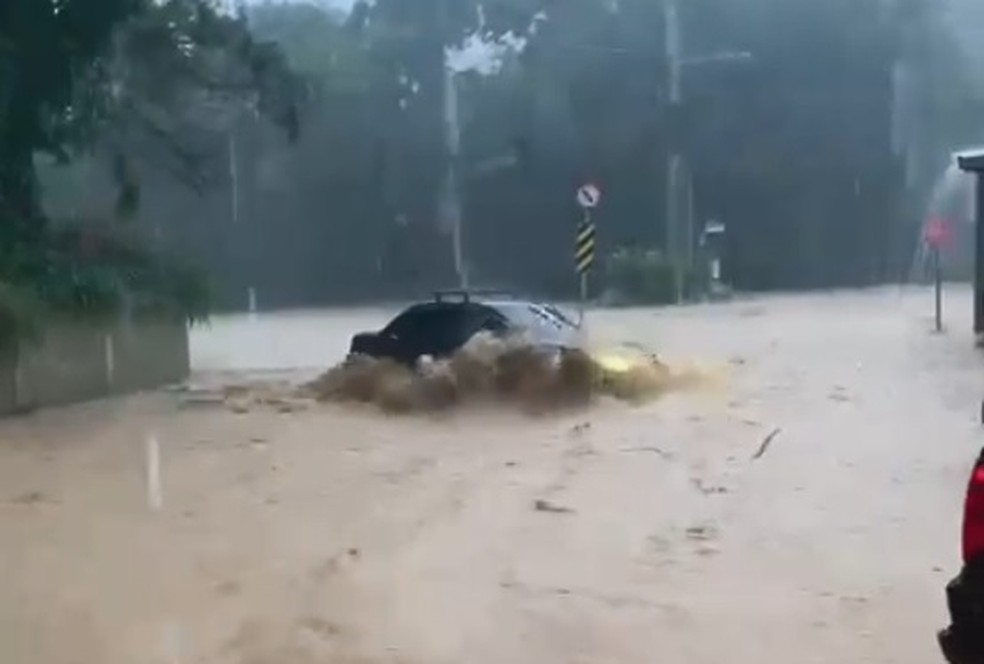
544	322
515	310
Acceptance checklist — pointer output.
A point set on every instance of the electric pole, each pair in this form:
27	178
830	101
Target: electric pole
674	164
449	205
679	223
244	240
451	196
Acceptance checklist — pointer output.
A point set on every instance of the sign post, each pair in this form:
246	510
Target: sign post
935	235
588	197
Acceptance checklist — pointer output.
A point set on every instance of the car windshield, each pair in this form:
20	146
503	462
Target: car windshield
535	317
557	313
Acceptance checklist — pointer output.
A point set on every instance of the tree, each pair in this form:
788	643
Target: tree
179	79
120	77
794	148
43	47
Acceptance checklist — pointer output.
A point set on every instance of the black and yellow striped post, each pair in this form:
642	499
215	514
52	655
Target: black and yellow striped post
588	197
584	246
584	255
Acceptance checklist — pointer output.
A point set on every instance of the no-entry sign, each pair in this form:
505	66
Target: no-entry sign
588	196
936	233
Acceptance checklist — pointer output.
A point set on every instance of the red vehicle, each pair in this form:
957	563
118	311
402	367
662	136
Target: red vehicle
963	641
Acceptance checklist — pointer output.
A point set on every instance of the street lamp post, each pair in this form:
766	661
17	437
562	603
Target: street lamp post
674	60
458	174
678	185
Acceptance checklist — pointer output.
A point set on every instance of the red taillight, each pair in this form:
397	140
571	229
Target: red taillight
973	527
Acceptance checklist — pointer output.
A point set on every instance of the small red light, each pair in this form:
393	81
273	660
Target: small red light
936	232
973	526
977	478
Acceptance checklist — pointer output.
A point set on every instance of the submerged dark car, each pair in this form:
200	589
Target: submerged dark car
963	641
442	326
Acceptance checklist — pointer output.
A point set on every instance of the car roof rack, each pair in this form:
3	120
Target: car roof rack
466	294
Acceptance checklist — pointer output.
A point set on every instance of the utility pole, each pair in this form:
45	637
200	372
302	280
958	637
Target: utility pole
449	205
679	185
674	163
234	177
244	240
451	196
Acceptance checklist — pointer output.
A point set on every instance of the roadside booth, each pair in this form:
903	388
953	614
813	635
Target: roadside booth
973	162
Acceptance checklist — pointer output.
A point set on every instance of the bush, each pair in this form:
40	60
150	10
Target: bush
643	276
19	312
94	272
99	270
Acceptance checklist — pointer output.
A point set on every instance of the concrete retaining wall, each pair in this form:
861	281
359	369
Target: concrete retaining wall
74	363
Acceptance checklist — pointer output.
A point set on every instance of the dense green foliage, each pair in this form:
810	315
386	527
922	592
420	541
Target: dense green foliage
807	151
45	48
127	80
818	151
643	276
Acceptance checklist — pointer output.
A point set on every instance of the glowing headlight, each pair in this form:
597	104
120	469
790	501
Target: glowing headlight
614	363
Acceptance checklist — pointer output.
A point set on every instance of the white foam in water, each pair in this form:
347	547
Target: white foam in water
155	493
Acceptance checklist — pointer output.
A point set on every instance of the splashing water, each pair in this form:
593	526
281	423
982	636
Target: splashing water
510	372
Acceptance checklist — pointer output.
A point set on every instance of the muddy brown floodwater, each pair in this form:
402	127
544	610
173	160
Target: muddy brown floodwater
805	509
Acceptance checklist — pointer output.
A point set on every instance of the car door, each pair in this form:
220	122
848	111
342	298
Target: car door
438	330
445	329
407	334
428	329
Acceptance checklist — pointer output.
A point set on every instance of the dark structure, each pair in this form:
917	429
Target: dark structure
974	163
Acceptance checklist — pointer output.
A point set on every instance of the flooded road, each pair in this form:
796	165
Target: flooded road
805	508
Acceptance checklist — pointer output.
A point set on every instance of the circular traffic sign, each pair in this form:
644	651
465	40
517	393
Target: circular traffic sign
588	196
936	233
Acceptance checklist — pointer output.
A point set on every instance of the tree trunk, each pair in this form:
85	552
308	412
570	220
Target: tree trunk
21	217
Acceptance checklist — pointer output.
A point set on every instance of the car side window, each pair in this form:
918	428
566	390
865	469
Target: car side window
427	329
440	330
492	322
432	327
453	328
406	324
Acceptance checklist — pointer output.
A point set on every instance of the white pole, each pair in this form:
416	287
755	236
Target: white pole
234	177
938	286
452	205
674	50
109	352
584	296
19	376
689	225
